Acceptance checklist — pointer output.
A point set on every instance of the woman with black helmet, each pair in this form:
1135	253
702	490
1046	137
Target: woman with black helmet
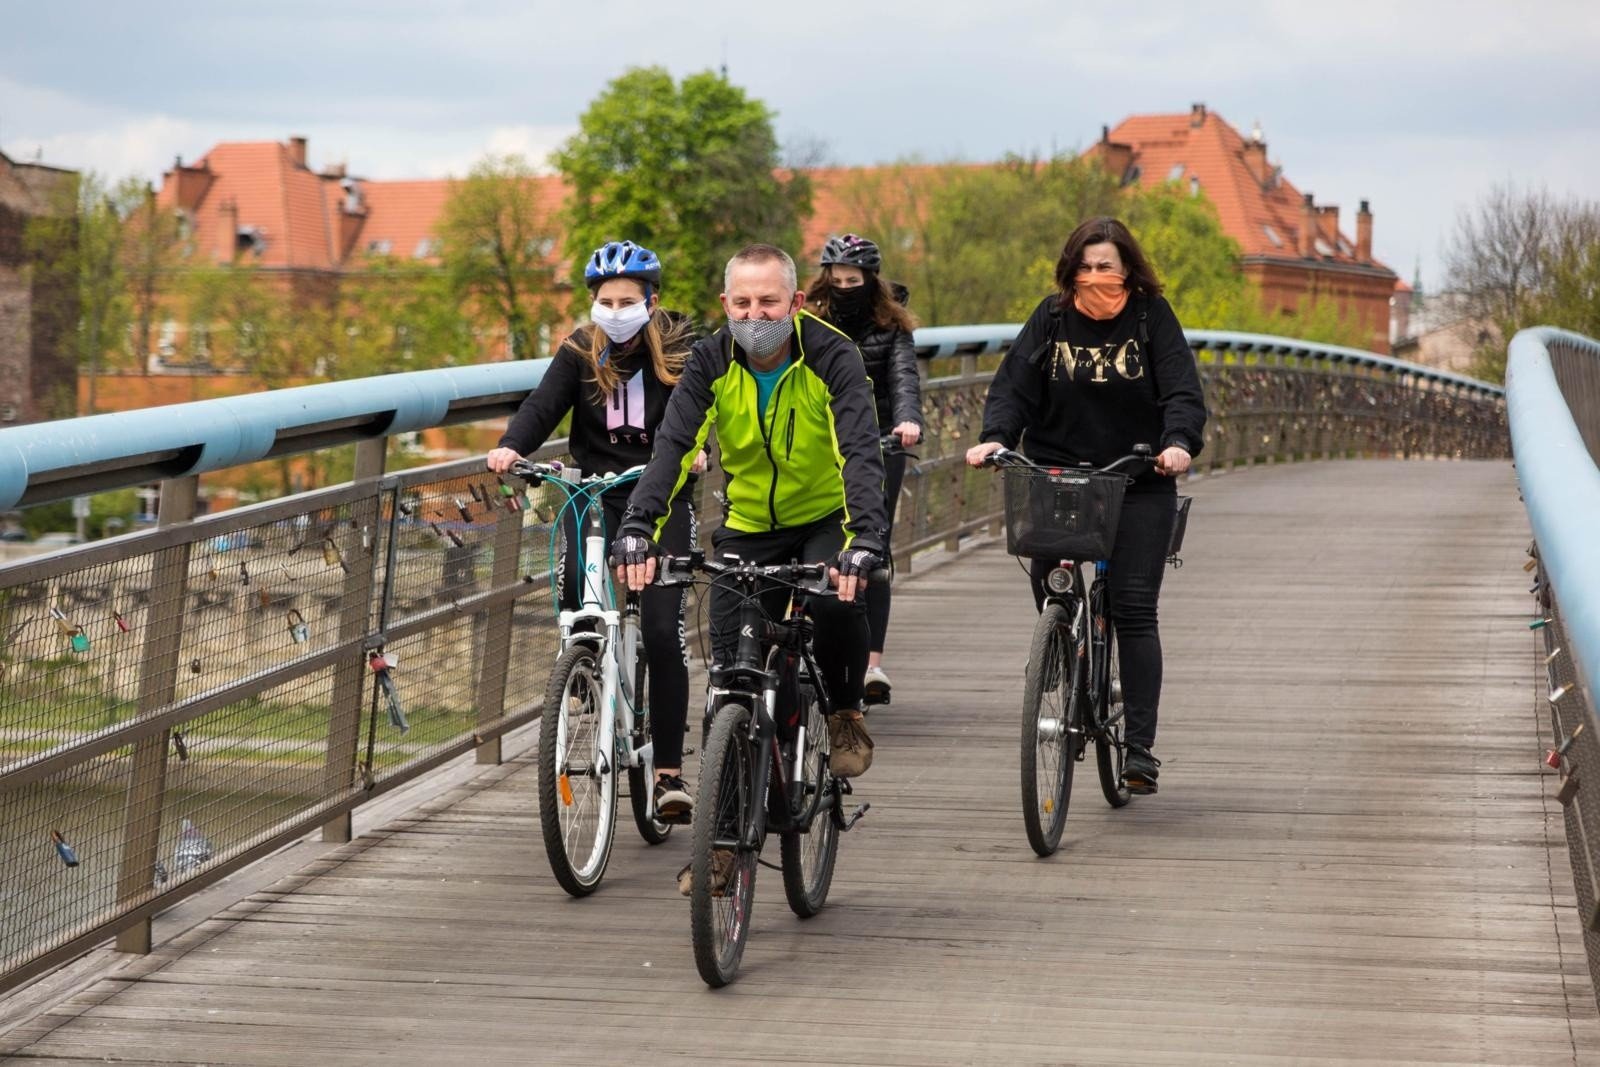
850	294
615	376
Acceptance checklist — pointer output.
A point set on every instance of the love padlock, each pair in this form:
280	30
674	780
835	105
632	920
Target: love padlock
80	640
122	624
297	626
331	554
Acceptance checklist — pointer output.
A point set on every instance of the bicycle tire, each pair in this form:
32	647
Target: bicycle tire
577	811
640	789
1052	729
808	857
1110	727
719	923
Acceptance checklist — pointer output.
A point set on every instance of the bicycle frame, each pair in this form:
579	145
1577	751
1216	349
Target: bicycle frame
1090	605
613	634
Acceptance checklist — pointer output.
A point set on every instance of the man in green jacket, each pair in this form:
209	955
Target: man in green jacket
798	432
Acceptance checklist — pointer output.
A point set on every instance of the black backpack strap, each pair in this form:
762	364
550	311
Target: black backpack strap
1144	326
1035	358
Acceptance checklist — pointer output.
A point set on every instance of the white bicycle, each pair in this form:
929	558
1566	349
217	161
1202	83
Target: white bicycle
596	721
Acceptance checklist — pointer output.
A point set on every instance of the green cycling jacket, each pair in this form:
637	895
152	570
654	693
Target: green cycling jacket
812	452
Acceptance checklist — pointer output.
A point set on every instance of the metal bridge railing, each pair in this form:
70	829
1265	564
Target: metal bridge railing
178	702
1553	393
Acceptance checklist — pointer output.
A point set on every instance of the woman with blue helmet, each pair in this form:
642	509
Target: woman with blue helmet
615	376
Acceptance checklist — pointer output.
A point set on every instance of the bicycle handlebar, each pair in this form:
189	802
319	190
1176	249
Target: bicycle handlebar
811	577
1005	457
554	472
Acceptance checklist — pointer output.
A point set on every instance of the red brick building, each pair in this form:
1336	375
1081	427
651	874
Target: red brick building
37	314
1294	248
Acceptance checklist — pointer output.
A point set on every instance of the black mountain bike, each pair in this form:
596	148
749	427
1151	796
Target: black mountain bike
1072	689
764	764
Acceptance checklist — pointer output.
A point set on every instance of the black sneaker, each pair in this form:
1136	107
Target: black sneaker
1139	770
672	801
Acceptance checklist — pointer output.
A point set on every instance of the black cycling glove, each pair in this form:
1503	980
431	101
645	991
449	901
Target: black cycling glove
856	562
633	549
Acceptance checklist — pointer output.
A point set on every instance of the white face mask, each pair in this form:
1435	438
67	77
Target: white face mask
620	325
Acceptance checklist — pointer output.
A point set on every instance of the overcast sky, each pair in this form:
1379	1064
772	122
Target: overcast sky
1417	106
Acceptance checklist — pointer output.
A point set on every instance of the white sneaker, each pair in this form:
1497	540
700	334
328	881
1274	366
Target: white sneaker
875	688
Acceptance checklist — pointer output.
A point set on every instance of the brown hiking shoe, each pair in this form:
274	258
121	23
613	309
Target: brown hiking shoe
721	873
851	748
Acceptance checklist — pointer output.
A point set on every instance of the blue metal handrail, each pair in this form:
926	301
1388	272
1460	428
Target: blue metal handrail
1560	481
68	457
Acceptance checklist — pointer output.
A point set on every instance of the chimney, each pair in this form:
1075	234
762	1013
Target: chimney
1308	226
1118	157
1255	156
228	231
1364	233
352	216
190	184
297	152
1197	116
1328	224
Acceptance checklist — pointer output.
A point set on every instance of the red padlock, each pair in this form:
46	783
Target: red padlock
1552	759
377	662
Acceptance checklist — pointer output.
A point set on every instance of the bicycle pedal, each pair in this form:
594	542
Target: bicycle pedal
855	816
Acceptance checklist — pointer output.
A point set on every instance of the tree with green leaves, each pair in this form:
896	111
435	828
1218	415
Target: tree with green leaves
497	247
396	315
689	169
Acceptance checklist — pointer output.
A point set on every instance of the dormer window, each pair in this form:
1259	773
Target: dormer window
380	247
249	239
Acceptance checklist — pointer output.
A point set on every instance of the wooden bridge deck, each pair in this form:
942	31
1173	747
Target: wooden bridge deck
1353	857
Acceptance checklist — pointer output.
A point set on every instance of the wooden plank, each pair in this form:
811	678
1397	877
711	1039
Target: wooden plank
1354	857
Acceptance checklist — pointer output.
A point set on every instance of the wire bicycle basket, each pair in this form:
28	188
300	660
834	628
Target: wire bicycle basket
1062	514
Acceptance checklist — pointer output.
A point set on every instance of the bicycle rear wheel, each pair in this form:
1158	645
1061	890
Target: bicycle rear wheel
723	872
1109	746
808	856
640	787
577	782
1052	726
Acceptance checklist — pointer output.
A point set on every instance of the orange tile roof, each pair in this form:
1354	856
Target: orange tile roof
402	215
1201	145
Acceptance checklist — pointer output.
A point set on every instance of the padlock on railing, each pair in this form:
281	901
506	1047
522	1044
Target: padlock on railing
298	630
75	635
381	664
463	508
122	624
332	556
68	854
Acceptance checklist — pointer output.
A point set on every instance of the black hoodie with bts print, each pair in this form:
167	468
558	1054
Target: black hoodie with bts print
1072	389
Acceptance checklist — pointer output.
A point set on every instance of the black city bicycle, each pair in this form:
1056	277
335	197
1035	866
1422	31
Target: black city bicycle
1072	689
764	764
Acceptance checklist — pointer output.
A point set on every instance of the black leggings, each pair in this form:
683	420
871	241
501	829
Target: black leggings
1138	562
840	637
894	473
666	653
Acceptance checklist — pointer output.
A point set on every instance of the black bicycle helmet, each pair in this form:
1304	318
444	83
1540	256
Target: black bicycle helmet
851	250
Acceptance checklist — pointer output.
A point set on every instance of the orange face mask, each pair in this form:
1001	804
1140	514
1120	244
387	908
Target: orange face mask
1100	296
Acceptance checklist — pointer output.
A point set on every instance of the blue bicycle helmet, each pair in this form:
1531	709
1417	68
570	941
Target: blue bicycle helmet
622	259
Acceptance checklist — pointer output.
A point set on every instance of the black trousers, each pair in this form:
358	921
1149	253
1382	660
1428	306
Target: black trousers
666	652
894	474
841	629
1138	562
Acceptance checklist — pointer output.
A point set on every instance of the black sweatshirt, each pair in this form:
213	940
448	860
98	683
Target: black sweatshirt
608	434
1074	389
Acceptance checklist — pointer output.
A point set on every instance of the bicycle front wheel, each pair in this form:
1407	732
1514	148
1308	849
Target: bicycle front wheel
722	868
1052	726
577	781
1109	738
808	855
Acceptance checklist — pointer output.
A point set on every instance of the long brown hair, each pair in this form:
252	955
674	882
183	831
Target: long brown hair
887	312
665	335
1141	277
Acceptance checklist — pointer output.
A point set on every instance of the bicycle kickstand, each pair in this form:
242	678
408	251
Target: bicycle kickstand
858	814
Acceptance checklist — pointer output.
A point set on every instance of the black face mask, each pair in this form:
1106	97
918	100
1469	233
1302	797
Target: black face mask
850	309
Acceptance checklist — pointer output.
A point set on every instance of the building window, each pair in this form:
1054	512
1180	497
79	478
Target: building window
427	247
379	247
1322	247
1176	172
1272	235
249	239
